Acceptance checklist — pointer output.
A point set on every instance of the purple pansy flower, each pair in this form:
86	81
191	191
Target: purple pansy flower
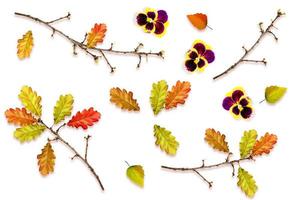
199	56
238	103
153	21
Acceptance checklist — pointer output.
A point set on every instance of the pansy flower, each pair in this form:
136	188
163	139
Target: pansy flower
153	21
238	103
199	56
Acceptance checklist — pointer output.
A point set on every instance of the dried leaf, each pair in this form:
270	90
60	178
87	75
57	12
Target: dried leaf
158	96
30	100
84	118
274	93
96	35
246	182
46	160
29	132
216	140
25	45
123	99
19	117
264	145
136	174
165	140
178	94
247	143
63	108
198	20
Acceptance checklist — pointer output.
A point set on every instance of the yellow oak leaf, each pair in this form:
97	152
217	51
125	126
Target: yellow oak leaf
165	140
246	182
247	142
25	45
30	100
63	108
29	132
158	96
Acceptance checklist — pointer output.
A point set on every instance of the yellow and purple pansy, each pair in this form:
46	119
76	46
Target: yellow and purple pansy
153	21
238	103
199	56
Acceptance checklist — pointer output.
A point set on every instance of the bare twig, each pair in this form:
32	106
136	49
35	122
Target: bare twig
71	148
86	146
203	167
101	52
263	32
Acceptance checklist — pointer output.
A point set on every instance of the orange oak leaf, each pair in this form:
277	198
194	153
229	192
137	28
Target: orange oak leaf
123	99
198	20
96	35
264	145
178	94
84	118
46	160
216	140
19	117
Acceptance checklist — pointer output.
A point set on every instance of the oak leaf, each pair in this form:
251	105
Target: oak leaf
25	45
274	93
30	100
247	142
178	94
264	145
158	96
216	140
165	140
123	99
96	35
29	132
84	118
46	160
198	20
63	108
136	174
19	117
246	182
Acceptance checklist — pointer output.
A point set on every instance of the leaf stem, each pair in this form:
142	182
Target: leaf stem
76	154
90	51
263	33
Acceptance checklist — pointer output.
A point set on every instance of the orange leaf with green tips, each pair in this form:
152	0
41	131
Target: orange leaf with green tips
216	140
198	20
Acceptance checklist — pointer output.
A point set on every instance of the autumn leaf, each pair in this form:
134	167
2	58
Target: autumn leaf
30	100
247	143
165	140
63	108
46	160
216	140
246	182
123	99
29	132
274	93
96	35
84	118
198	20
158	96
19	117
136	174
264	145
178	94
25	45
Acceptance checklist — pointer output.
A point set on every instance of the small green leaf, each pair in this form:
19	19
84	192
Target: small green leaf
158	96
63	108
29	132
246	182
274	93
136	174
247	143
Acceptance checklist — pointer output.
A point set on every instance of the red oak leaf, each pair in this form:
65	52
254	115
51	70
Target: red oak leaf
84	118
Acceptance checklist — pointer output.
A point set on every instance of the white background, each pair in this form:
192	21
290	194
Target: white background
53	70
